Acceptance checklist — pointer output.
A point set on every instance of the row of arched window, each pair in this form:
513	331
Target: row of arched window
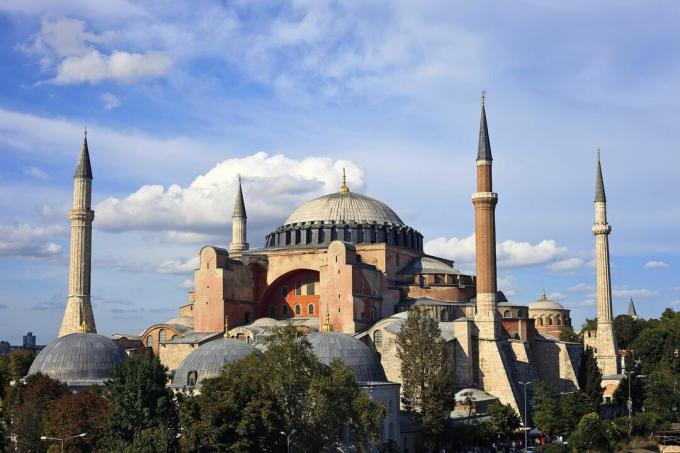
161	338
550	321
285	311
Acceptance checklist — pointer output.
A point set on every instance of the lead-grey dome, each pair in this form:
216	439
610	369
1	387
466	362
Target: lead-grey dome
360	358
208	359
344	207
79	359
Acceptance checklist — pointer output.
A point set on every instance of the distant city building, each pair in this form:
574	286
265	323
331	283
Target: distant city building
4	347
29	341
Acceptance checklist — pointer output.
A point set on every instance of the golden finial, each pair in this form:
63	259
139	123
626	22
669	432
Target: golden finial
83	327
483	97
543	295
226	326
327	326
343	187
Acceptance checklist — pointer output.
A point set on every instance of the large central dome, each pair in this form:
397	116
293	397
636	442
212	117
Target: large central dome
344	207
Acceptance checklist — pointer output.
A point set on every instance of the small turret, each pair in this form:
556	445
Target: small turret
239	221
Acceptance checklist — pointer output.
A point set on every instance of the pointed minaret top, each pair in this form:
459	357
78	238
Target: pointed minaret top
543	296
631	309
239	204
343	187
599	183
484	148
84	170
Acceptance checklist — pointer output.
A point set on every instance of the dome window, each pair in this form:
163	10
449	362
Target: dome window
149	341
161	335
377	338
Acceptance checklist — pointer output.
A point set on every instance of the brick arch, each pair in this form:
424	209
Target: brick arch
299	286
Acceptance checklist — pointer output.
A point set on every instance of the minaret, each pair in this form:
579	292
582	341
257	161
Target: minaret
632	312
607	350
238	223
485	201
78	314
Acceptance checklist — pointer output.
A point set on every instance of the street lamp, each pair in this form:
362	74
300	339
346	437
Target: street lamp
288	436
62	440
524	418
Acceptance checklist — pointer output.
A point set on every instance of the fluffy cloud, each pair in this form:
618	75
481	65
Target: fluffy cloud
556	296
510	254
178	267
634	293
110	101
655	264
65	46
566	265
30	241
272	185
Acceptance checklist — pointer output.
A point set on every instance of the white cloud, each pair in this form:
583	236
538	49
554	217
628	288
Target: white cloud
186	284
111	101
179	267
510	254
655	264
121	66
634	293
35	172
29	241
581	287
272	185
566	265
556	296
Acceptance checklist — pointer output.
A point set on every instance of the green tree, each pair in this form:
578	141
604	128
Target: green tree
504	419
83	412
140	404
546	409
20	361
590	435
627	330
662	395
244	409
568	334
427	385
573	406
4	374
589	378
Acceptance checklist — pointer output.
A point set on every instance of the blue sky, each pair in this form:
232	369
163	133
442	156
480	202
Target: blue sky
179	98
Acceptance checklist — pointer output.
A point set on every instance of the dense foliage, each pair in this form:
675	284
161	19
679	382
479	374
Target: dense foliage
556	413
245	409
427	385
590	378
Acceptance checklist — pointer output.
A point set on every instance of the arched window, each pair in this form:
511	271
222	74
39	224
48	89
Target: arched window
550	320
284	310
161	335
558	320
192	377
507	314
173	337
377	338
149	341
298	288
310	309
272	311
310	286
298	309
444	315
540	321
371	313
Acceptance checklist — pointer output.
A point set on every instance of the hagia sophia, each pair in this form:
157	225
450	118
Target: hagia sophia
345	270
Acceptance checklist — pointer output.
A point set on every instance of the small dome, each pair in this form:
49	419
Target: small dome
79	359
544	304
208	359
360	358
344	207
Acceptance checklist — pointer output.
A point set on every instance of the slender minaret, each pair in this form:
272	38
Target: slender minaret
238	223
78	313
485	201
632	312
607	350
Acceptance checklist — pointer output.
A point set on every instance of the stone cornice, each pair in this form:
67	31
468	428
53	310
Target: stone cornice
601	228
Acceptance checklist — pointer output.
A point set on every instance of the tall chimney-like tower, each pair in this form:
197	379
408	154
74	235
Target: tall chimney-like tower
238	223
485	200
607	350
78	311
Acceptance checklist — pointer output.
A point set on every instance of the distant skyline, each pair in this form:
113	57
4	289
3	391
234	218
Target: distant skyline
180	98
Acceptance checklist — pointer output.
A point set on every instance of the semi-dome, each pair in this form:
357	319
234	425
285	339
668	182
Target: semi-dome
364	362
207	360
79	359
344	207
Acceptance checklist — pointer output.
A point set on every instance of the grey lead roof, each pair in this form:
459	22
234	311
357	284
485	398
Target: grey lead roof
79	359
484	148
362	360
344	207
429	265
599	183
208	359
239	205
84	170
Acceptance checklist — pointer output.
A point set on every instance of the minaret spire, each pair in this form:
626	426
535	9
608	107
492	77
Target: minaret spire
78	315
607	349
239	222
485	200
632	312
